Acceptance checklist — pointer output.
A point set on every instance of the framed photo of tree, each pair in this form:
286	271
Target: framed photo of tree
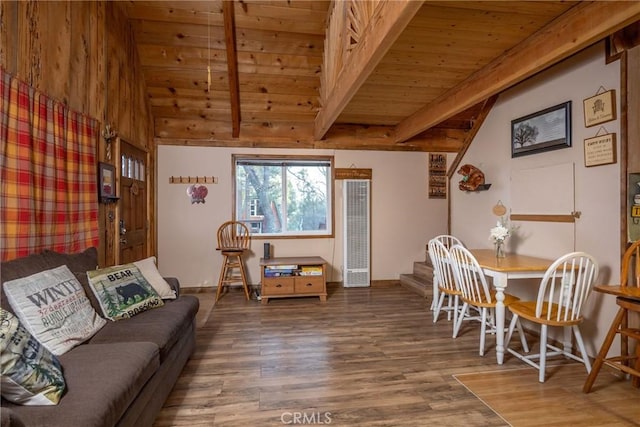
549	129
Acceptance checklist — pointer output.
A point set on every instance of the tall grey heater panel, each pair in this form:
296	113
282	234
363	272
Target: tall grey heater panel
357	232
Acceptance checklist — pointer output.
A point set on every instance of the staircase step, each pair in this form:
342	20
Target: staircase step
416	284
423	270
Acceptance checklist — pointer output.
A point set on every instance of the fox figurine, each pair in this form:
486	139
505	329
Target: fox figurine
472	178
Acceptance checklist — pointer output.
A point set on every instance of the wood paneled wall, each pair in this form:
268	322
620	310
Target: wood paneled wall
84	55
56	47
632	106
630	144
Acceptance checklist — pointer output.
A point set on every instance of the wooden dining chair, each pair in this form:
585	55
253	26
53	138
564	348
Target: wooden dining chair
444	277
233	242
448	241
628	299
475	292
564	290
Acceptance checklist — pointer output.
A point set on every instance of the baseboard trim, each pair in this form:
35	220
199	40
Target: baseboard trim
372	283
212	289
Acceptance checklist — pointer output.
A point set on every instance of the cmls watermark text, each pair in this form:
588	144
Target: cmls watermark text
306	418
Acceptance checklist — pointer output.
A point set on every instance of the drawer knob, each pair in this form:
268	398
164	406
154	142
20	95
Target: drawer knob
278	285
309	284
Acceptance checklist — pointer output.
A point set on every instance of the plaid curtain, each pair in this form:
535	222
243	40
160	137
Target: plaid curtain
48	196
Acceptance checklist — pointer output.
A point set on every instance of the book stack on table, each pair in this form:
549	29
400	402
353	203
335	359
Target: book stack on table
280	270
311	270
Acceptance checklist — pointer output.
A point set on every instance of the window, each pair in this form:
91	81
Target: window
253	207
285	195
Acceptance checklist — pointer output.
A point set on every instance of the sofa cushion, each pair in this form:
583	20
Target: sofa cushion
21	267
161	327
123	291
102	381
174	284
52	306
79	264
150	272
31	374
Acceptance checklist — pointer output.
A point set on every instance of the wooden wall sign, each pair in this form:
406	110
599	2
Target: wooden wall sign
353	173
600	150
437	176
600	108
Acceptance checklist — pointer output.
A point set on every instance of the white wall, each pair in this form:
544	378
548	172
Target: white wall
597	189
403	217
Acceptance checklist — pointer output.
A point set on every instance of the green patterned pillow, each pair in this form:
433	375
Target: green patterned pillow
31	374
123	291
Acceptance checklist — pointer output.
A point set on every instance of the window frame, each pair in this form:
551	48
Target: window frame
329	232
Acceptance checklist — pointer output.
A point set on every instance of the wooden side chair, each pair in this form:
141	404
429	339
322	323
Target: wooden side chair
444	277
628	298
563	292
448	241
476	293
233	242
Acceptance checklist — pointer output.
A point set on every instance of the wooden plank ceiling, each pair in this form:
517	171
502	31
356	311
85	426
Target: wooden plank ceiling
266	60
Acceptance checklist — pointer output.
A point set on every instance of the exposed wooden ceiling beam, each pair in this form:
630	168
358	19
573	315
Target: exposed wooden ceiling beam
477	124
232	64
386	25
340	137
581	26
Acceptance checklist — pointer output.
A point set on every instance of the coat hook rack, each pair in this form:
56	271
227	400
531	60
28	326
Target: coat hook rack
193	180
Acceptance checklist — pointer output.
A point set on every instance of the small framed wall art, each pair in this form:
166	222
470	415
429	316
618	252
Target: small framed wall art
106	182
437	176
600	108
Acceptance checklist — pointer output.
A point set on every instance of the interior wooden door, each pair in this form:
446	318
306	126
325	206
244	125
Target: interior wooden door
133	214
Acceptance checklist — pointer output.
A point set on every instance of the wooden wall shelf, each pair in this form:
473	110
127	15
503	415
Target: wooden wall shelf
483	187
545	218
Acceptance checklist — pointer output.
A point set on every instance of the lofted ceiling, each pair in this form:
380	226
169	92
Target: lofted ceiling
395	76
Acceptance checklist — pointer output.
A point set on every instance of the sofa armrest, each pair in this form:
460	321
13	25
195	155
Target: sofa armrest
8	418
174	283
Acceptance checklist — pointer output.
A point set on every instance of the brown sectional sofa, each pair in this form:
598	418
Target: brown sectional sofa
123	374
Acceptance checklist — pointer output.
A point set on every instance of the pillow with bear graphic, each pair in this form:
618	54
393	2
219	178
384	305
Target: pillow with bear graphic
31	374
53	307
123	291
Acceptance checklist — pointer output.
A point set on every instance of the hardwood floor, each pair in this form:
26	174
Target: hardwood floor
367	357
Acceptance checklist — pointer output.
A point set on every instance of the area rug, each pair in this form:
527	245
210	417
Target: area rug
518	397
